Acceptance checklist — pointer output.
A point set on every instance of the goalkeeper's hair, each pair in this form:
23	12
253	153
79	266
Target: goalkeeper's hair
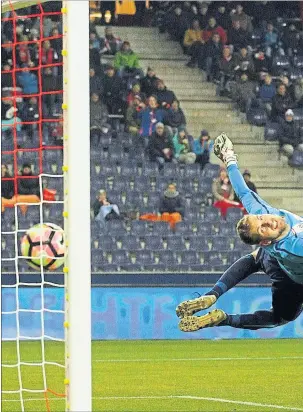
244	231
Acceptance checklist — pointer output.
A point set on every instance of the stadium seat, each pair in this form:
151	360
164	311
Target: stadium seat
240	246
233	214
192	171
175	243
233	257
184	228
204	228
199	243
33	214
150	170
296	160
211	214
170	170
161	229
129	242
115	228
144	257
205	185
155	267
8	246
106	244
153	242
189	257
298	62
280	65
109	268
8	219
220	244
298	115
127	171
271	131
119	257
257	116
52	161
98	260
211	171
131	267
139	228
165	257
52	213
227	229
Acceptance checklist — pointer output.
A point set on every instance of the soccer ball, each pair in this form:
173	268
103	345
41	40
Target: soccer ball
49	254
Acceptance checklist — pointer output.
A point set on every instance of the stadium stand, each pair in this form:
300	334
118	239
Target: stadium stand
120	164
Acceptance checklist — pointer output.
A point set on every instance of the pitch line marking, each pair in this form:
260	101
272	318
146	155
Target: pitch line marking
195	359
188	397
186	359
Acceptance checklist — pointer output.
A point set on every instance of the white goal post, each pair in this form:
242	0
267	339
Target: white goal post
77	183
76	170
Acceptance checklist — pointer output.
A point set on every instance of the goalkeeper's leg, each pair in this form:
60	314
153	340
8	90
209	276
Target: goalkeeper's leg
238	271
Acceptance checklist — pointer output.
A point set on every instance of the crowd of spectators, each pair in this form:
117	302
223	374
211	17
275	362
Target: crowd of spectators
253	51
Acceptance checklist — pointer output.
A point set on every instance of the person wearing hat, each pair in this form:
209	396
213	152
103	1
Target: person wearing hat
182	148
160	147
148	83
110	44
135	91
174	117
104	210
26	184
202	148
290	137
165	97
171	202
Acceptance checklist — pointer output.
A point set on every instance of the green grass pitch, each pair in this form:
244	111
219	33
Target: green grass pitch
171	376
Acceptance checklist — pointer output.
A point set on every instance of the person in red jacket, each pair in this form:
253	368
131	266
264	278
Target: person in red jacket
212	28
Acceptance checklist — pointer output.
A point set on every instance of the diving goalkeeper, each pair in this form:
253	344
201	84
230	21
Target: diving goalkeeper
279	234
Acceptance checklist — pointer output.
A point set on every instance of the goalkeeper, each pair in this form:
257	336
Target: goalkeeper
279	234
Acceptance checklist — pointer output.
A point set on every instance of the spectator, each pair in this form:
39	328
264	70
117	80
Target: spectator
291	39
165	97
237	36
95	82
261	12
222	17
49	83
267	92
227	66
23	55
28	185
94	59
223	193
7	186
244	92
94	38
262	64
247	176
290	88
193	42
299	92
104	210
7	53
135	91
110	44
148	83
171	202
244	63
177	24
31	113
281	102
98	116
113	91
203	15
270	41
212	28
28	81
202	148
56	43
160	146
239	15
148	117
290	134
132	118
174	116
6	77
126	61
182	148
49	55
212	53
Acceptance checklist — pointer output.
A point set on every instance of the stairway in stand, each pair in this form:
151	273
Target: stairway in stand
276	181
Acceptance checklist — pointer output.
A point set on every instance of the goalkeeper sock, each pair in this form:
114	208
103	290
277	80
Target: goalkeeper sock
237	272
253	321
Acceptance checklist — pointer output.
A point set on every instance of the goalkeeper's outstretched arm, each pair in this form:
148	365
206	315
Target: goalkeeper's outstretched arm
250	200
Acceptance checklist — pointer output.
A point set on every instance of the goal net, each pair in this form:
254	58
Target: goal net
35	314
